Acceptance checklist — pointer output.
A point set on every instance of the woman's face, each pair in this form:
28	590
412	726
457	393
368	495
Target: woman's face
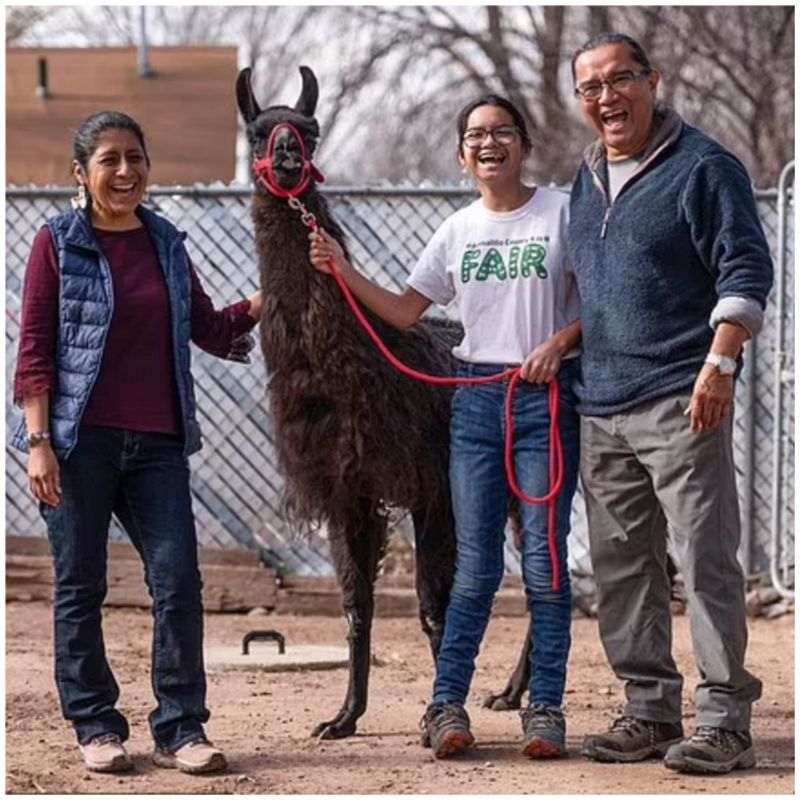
488	160
116	178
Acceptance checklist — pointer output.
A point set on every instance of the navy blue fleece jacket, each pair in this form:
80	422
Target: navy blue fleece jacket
652	267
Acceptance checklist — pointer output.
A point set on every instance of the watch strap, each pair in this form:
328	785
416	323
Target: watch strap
725	364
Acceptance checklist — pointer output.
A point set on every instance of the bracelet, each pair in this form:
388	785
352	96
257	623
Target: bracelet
35	439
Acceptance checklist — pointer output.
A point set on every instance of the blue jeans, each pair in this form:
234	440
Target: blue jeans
481	497
143	478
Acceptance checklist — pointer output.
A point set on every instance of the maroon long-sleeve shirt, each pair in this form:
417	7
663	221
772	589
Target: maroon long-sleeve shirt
136	386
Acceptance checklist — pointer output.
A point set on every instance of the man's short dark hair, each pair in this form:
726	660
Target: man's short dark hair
637	52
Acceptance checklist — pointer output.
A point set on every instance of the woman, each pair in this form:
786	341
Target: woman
502	262
110	303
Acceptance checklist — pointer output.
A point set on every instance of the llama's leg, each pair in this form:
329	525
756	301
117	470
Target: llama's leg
356	554
435	551
511	697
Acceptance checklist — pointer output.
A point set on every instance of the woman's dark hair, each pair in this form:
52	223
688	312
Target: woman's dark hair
92	128
500	102
637	52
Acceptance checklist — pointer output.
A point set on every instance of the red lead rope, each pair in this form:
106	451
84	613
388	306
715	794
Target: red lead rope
514	375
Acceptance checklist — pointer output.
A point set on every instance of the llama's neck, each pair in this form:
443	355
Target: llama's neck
291	285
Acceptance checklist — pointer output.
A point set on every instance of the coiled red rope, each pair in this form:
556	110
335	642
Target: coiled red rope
264	173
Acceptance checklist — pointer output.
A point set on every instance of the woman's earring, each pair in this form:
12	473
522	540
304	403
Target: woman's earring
79	201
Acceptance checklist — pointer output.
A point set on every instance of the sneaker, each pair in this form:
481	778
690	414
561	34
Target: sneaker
544	732
712	751
445	729
632	739
106	753
194	757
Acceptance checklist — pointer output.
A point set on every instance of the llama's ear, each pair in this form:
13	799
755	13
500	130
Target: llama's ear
307	102
244	96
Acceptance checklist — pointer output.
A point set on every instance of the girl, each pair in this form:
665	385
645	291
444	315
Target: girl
502	262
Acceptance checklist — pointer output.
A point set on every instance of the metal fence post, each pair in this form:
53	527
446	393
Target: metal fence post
780	378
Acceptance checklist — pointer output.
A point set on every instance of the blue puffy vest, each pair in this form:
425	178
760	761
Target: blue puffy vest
86	307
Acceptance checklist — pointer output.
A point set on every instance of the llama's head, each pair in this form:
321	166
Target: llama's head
277	155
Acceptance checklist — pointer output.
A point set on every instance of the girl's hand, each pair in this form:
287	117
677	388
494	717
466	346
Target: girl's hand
324	248
44	474
542	365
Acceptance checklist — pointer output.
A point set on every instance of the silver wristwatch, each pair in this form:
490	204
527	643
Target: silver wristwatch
35	439
725	365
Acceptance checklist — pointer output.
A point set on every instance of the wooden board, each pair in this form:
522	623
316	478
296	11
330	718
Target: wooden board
232	580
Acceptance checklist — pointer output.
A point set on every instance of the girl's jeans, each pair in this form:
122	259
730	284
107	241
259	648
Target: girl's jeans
143	478
481	497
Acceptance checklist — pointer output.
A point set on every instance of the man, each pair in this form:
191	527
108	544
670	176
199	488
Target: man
673	271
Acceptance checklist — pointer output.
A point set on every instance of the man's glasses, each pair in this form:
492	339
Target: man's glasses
502	134
591	90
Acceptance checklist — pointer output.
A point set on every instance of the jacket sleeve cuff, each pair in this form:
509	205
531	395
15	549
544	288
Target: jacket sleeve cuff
739	310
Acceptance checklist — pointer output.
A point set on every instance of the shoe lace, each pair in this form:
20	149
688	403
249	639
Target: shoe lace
626	724
541	717
200	742
442	714
727	741
107	738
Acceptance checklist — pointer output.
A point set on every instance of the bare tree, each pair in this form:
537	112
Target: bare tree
393	78
731	71
20	20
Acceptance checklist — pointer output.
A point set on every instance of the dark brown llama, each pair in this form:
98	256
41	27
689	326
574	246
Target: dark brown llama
353	436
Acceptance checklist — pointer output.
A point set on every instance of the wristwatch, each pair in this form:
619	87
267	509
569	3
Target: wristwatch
725	365
35	439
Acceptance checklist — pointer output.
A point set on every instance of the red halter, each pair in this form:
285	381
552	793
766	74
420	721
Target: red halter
265	173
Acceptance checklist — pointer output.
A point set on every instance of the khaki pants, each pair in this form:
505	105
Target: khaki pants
644	470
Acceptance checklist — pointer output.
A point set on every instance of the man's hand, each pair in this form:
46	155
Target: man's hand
712	399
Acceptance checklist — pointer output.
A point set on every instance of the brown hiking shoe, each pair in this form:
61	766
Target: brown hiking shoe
632	739
712	751
543	732
445	729
198	756
106	753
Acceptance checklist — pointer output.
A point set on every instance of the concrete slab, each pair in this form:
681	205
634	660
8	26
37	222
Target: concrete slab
264	657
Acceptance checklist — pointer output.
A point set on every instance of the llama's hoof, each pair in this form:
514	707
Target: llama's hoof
334	730
506	701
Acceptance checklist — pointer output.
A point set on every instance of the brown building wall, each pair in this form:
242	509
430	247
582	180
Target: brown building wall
187	109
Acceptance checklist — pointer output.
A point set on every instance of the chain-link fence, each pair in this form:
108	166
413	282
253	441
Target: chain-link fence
235	481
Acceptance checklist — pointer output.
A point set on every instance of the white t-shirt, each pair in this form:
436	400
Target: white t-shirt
507	275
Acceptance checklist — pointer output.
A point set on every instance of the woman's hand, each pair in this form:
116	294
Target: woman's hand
542	365
324	248
44	474
256	305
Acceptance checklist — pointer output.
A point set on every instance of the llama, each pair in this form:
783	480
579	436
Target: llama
353	436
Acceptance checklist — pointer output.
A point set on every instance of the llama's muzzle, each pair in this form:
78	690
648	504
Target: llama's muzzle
283	146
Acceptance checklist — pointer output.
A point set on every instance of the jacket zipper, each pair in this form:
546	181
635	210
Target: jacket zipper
602	189
605	222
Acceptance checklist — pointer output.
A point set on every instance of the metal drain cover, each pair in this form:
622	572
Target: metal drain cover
264	658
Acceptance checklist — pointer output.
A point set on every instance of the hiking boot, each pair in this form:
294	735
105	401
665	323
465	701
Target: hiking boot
106	753
632	739
194	757
712	751
544	731
445	729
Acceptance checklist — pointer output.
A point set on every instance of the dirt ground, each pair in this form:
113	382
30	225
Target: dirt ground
263	721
